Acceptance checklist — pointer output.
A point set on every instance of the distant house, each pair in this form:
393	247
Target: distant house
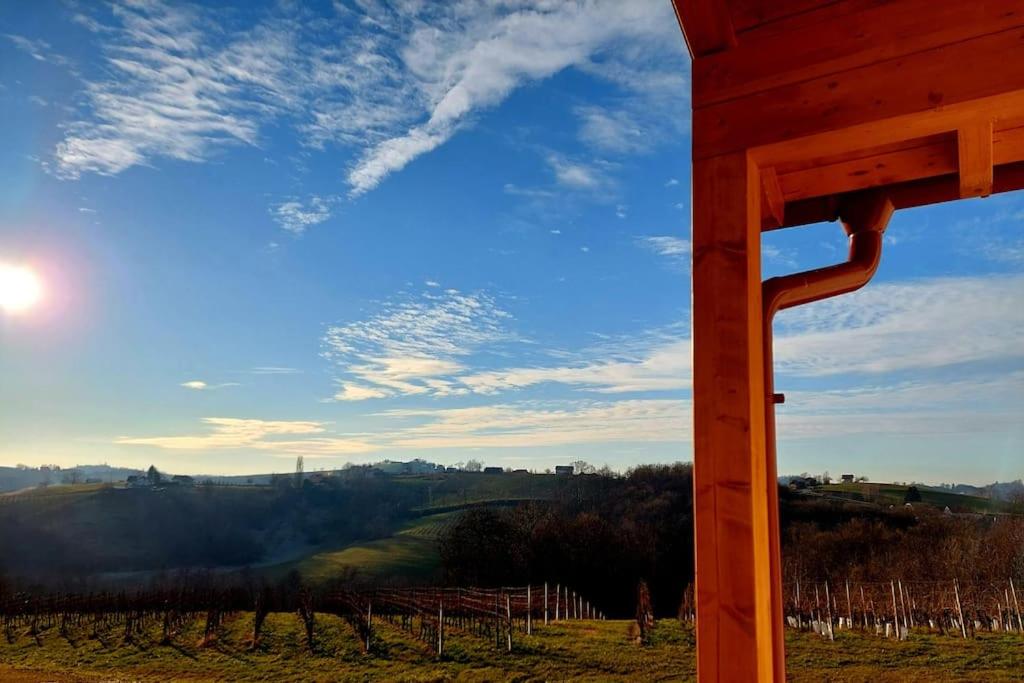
520	471
183	480
564	469
847	478
138	481
493	470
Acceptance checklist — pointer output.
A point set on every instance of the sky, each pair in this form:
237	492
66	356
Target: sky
357	231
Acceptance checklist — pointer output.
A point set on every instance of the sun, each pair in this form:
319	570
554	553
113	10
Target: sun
20	288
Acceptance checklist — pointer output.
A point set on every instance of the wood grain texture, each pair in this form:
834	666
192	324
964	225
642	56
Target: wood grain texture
736	628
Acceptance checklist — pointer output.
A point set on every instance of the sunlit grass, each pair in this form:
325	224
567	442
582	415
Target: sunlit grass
593	651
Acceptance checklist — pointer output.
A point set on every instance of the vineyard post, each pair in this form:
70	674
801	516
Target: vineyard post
828	605
816	616
895	612
1016	606
545	603
529	611
558	588
959	609
508	613
369	622
863	609
440	629
1009	615
796	605
849	607
903	605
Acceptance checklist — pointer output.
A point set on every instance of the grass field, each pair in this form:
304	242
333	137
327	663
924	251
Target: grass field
894	494
593	651
410	553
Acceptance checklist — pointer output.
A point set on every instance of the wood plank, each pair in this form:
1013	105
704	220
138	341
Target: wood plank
738	635
982	72
974	143
1007	178
750	14
843	36
706	25
928	157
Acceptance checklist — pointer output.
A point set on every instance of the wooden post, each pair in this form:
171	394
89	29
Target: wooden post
863	609
849	607
895	612
959	609
558	588
529	611
738	568
545	603
828	605
508	614
1016	607
440	629
903	605
369	622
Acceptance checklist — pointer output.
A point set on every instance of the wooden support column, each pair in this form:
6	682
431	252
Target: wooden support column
739	632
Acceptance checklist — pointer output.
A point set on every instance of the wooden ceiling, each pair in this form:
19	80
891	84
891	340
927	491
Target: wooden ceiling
923	96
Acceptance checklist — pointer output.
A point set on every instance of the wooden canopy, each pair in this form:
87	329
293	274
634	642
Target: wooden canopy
800	106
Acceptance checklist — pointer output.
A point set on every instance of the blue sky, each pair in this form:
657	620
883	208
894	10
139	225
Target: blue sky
358	231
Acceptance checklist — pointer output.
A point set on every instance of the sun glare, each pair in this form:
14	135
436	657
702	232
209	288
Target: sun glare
20	288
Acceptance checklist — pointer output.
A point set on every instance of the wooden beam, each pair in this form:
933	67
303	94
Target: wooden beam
841	36
974	145
919	91
774	202
706	26
1007	178
738	633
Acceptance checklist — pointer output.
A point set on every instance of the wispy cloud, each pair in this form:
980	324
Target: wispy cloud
577	175
465	57
200	385
675	249
274	370
289	437
389	82
296	216
39	50
530	425
898	326
413	345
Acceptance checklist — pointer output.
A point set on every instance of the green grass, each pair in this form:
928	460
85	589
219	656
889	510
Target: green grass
894	494
592	651
411	553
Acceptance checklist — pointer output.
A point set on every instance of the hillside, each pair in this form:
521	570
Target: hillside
896	494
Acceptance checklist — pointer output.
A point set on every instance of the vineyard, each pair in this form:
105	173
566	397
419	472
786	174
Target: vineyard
495	615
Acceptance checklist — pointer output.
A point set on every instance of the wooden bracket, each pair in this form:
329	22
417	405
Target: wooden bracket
974	150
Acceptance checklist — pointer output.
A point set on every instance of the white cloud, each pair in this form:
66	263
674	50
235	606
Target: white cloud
671	182
295	216
465	57
200	385
392	82
675	249
888	327
287	437
576	175
39	50
432	283
274	370
615	131
530	425
413	344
